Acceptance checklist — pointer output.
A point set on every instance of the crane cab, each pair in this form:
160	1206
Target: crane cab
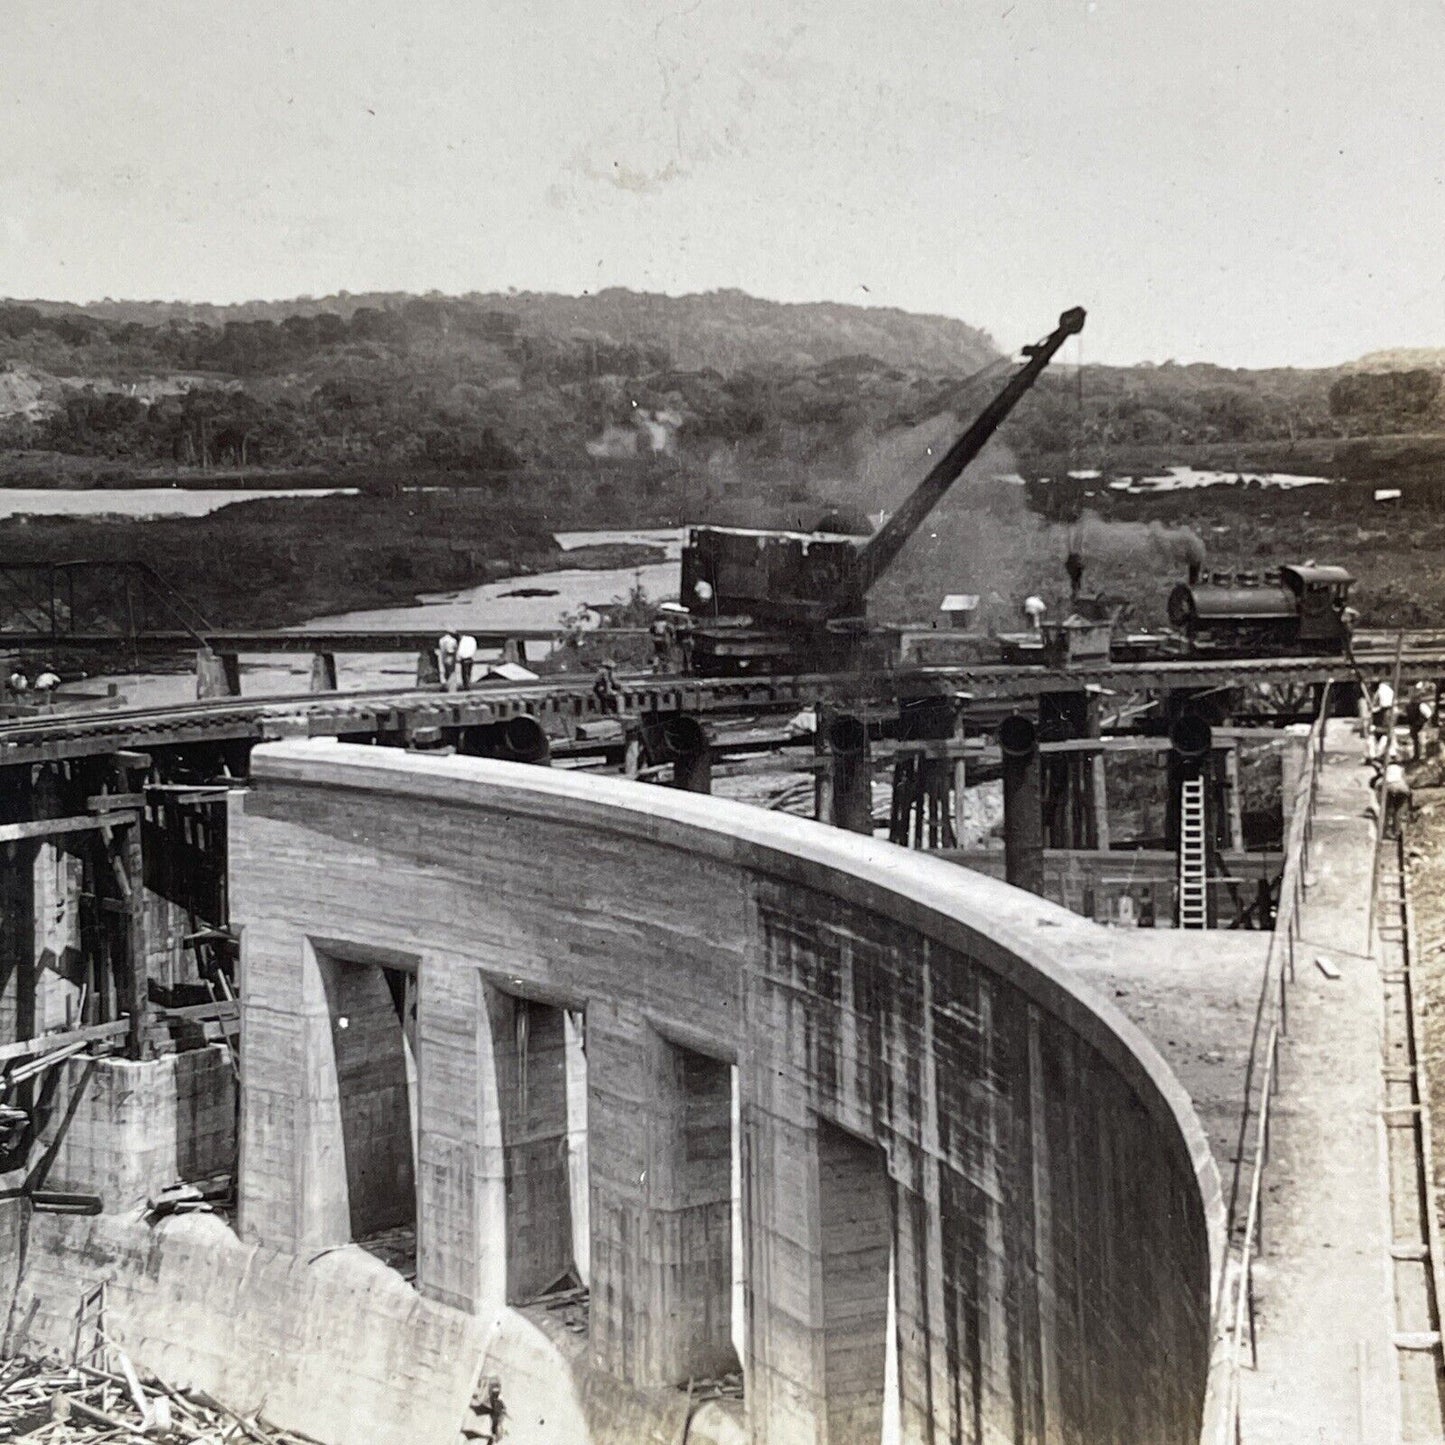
762	600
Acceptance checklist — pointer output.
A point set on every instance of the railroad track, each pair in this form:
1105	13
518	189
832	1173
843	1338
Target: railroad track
570	700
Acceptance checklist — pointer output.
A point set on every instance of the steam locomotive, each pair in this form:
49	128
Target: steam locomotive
1290	610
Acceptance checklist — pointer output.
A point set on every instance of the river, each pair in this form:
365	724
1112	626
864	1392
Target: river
142	502
490	606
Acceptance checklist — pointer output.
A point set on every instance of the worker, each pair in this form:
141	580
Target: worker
1384	707
662	640
1348	617
466	658
1418	712
47	681
447	657
1263	904
487	1403
1074	566
1034	610
1397	797
19	682
605	687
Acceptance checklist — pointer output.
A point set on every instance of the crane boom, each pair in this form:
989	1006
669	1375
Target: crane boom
882	549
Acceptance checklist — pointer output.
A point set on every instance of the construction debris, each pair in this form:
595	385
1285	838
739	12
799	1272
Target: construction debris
569	1301
45	1403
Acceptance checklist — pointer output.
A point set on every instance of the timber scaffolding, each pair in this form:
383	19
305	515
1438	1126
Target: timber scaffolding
121	819
97	956
134	842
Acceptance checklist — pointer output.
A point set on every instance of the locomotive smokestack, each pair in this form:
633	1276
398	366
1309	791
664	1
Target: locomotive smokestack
1195	569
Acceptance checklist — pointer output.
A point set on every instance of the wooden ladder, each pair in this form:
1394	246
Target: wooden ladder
1193	894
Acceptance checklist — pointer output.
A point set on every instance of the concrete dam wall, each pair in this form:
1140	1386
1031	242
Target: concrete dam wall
573	1030
925	1096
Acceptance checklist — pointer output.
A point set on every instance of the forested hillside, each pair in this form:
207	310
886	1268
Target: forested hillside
478	384
751	394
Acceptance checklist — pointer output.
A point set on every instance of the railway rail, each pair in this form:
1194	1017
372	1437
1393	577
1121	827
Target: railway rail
569	700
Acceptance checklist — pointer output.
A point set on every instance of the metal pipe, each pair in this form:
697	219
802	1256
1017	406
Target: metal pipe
1023	823
686	742
852	770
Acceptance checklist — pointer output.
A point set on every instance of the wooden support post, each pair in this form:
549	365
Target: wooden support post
1098	781
17	932
1022	805
852	773
323	672
138	996
512	650
822	767
1233	801
218	674
960	780
632	754
428	668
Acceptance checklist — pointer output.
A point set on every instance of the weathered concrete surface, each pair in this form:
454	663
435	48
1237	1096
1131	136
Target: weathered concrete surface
1193	994
1055	1212
338	1346
128	1129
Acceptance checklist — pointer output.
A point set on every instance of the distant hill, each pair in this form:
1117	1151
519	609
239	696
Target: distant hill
1401	358
477	384
757	398
723	330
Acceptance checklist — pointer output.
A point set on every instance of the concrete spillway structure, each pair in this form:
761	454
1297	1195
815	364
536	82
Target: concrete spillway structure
919	1079
537	1016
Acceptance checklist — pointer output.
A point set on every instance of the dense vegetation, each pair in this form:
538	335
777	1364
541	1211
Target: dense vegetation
723	385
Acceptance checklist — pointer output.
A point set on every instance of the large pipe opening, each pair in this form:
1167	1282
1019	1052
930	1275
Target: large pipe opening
521	739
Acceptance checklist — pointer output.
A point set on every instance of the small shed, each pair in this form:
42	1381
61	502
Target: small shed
958	609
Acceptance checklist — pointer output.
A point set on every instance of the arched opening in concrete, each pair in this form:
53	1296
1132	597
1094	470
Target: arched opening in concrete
372	1011
533	1062
574	1025
855	1219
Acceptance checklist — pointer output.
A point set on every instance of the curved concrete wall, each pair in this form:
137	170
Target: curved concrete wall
912	1054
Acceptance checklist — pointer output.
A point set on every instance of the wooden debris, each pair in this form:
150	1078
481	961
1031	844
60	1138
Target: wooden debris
55	1404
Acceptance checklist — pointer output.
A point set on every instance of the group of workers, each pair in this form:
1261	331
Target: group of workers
456	654
19	683
456	657
665	636
1379	715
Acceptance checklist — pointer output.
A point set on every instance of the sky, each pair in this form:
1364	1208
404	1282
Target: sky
1251	182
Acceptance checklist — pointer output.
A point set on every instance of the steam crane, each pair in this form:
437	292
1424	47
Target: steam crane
765	601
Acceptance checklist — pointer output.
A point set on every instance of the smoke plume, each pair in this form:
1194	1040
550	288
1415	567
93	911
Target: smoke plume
1096	539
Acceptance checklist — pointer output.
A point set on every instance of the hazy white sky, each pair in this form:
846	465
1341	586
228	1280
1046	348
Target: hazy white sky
1249	181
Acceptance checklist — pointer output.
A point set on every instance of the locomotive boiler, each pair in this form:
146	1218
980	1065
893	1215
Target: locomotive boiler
1301	610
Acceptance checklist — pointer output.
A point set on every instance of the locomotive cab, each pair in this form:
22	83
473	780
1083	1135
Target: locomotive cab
1321	595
